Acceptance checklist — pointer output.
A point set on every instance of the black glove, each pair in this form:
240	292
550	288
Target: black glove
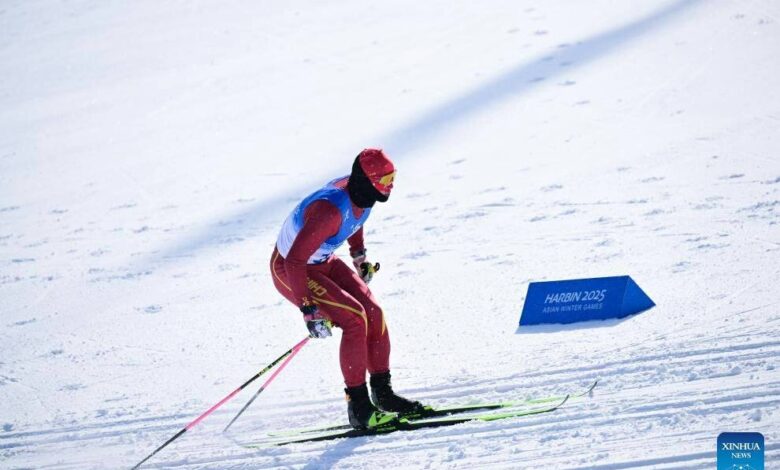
318	325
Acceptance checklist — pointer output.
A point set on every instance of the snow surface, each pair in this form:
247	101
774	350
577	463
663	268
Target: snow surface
149	152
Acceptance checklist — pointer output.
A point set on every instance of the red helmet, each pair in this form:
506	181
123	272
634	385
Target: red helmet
378	168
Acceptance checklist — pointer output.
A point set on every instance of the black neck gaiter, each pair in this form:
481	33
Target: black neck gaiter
361	191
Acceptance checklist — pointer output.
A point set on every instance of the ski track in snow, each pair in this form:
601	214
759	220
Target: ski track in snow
148	156
586	419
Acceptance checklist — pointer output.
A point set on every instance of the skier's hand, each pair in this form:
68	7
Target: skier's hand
364	269
367	271
318	325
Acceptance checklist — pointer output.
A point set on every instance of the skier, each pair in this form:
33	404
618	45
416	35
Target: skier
306	272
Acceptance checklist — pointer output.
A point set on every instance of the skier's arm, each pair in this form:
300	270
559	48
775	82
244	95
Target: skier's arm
321	221
357	250
356	243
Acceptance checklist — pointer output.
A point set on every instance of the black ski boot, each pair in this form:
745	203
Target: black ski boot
362	413
386	400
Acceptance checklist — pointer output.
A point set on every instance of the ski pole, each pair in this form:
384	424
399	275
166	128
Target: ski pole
265	385
222	402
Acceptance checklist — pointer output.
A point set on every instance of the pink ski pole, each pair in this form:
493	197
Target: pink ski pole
290	352
265	385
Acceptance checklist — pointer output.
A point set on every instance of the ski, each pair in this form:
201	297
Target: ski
431	412
403	424
451	410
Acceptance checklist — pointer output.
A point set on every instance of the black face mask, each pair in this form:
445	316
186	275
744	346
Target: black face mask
361	191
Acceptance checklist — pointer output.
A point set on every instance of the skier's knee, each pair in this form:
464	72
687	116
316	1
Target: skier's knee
355	324
370	305
373	312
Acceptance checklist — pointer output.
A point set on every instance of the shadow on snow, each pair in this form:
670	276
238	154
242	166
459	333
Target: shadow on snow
422	131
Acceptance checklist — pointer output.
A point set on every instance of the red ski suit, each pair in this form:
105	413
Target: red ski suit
337	290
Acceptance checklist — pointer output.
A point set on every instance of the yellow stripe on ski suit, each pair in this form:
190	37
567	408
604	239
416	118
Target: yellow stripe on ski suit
334	304
273	269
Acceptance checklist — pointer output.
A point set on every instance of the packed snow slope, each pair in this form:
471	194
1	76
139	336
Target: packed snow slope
150	150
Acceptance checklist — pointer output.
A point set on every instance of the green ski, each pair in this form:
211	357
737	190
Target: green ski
446	411
403	424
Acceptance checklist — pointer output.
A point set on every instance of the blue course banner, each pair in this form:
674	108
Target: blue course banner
579	300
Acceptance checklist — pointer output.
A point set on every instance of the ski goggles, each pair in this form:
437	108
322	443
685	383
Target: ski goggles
385	183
